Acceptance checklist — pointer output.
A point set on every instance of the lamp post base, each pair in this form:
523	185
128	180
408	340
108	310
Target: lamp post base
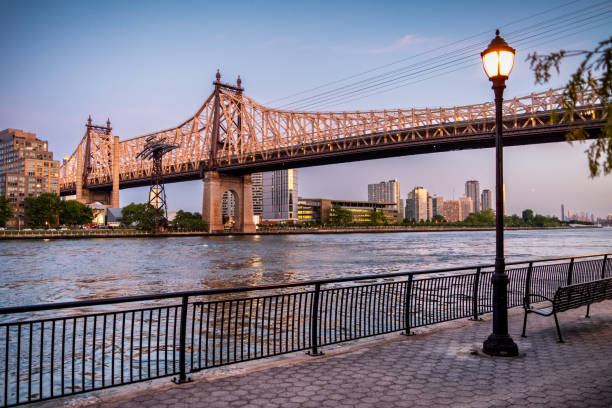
502	346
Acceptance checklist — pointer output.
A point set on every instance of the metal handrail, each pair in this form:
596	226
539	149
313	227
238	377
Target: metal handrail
53	356
204	292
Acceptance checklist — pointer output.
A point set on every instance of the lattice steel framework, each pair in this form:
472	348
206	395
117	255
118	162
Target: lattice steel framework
154	150
230	130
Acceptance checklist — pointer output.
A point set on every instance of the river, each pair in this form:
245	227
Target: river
60	270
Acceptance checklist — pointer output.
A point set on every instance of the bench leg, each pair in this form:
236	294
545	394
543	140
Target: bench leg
524	323
558	328
588	310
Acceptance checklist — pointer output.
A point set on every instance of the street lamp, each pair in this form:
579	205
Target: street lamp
497	61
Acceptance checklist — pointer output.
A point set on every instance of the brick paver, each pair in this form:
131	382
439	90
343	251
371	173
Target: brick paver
440	368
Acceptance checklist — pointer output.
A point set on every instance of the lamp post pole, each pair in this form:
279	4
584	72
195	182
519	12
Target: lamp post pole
499	343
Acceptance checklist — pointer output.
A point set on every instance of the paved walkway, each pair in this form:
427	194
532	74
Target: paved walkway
436	368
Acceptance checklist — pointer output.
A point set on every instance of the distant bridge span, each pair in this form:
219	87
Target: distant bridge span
232	135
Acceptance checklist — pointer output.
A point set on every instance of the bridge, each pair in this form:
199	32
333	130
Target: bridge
232	136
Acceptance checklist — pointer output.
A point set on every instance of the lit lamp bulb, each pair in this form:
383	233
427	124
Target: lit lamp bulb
498	59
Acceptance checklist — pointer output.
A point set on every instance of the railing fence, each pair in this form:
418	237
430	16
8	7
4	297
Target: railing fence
52	357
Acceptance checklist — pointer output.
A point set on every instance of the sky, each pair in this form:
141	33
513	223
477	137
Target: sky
149	65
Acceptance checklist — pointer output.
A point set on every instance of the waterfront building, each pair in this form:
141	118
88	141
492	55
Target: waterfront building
416	204
27	169
401	213
429	208
409	207
385	192
280	195
562	212
472	190
114	216
467	206
437	206
486	200
99	213
452	211
257	180
320	210
228	204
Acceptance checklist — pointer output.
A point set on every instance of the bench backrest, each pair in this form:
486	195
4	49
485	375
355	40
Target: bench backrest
582	294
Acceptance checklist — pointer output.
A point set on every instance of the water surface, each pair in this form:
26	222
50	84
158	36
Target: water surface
37	271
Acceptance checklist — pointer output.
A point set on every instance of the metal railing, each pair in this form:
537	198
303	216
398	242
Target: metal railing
104	343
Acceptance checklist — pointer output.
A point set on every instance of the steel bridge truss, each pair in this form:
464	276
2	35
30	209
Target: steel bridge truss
231	132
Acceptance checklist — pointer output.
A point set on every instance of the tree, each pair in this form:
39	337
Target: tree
595	62
191	221
480	219
145	216
72	212
528	217
340	216
42	211
437	219
6	211
378	217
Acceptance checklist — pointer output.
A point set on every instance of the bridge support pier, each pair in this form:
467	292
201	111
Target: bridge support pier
215	185
108	198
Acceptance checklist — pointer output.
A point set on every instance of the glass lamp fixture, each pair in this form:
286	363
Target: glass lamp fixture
498	59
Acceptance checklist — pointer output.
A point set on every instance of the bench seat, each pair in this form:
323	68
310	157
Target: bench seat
569	297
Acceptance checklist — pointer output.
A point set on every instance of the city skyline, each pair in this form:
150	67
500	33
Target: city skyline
63	78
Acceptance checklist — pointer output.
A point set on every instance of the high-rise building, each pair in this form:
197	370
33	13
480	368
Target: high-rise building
452	211
429	208
280	195
385	192
257	180
486	200
416	204
437	206
467	206
472	190
402	210
562	212
228	204
27	169
409	208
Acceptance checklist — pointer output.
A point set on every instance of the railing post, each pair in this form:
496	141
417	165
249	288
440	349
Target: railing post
475	295
407	308
528	285
314	323
570	272
603	266
182	378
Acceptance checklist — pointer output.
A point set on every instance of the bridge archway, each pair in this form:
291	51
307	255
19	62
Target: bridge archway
236	188
231	209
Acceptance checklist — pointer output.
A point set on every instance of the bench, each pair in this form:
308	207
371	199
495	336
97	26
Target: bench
569	297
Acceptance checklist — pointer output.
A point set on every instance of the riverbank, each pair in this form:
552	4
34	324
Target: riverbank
84	234
359	230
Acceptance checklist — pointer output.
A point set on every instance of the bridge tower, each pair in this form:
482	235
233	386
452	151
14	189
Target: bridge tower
101	151
216	183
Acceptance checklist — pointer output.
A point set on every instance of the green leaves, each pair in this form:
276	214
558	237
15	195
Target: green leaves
47	210
595	63
6	211
42	211
189	221
378	217
340	216
145	216
75	213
